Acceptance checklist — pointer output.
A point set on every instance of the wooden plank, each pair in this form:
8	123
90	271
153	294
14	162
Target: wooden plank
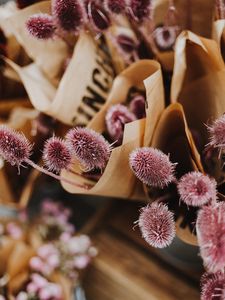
122	272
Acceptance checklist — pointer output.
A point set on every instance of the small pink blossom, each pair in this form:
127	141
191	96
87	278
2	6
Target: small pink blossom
14	231
165	37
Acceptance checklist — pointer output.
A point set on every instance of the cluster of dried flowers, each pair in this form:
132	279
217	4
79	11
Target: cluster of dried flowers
195	189
56	249
74	16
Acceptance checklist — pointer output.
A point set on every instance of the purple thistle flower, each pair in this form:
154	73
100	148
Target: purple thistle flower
70	15
89	147
152	167
213	286
140	9
197	189
24	3
56	154
211	236
157	225
41	26
117	116
98	17
115	6
14	146
165	37
217	133
137	106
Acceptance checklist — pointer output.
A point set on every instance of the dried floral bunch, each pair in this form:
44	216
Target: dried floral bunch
52	249
120	114
195	190
85	145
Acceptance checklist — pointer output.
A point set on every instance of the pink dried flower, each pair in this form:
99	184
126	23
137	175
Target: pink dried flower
217	133
157	225
22	296
152	167
213	286
115	6
126	43
41	26
14	146
70	15
165	37
116	118
211	236
197	189
2	297
220	7
137	106
89	147
140	9
98	17
56	154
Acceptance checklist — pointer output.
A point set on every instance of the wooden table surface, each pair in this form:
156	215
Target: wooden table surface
127	269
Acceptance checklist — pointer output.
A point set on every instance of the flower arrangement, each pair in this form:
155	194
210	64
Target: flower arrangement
155	130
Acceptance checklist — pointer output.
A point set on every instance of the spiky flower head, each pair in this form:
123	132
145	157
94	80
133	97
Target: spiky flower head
115	6
165	37
217	132
213	286
152	167
157	225
137	106
89	147
56	154
140	9
98	17
117	116
197	189
14	146
41	26
210	228
70	15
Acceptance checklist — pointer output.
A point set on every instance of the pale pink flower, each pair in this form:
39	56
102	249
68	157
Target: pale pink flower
210	228
157	225
89	147
152	167
197	189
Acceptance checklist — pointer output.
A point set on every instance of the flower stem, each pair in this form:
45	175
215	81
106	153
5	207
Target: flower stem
57	177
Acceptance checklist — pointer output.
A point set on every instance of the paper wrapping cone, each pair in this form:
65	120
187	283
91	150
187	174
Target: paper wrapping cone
83	88
145	73
218	34
198	84
173	137
48	55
